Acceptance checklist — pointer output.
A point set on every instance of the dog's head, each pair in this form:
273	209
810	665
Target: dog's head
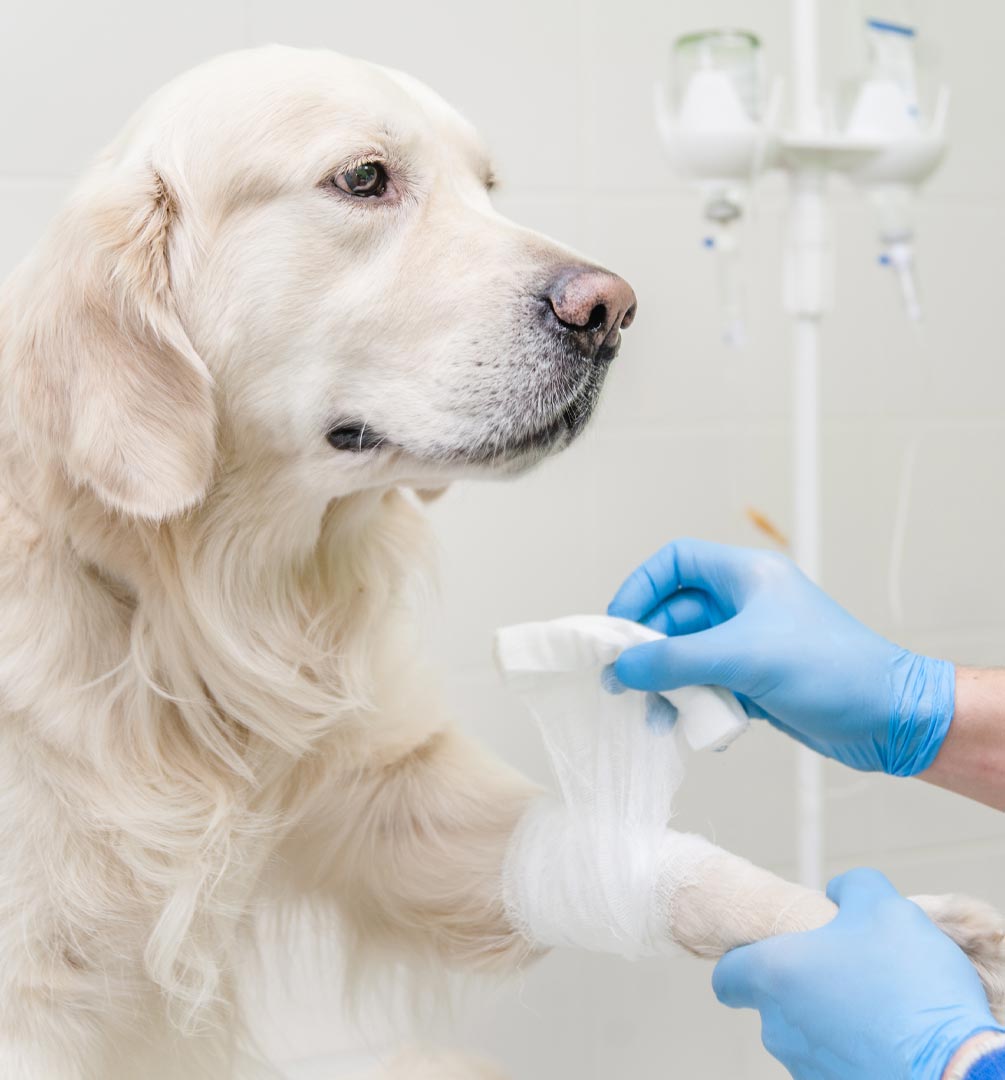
292	256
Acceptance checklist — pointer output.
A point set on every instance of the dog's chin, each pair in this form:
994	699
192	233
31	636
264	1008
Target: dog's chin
520	448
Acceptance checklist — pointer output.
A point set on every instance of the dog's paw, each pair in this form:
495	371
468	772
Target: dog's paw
979	930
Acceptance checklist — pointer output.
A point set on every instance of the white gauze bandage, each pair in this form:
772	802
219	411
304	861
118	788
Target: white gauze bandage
598	867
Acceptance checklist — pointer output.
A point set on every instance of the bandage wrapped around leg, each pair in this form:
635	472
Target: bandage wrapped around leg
597	866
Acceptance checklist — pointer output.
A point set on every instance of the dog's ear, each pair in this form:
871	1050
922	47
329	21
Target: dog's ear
105	382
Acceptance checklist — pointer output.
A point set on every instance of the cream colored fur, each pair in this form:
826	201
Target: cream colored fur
214	696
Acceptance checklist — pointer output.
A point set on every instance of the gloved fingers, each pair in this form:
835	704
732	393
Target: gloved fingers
610	682
860	890
710	658
737	978
661	715
754	711
688	611
681	564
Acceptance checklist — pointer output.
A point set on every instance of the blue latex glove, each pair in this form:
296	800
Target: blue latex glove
880	993
752	622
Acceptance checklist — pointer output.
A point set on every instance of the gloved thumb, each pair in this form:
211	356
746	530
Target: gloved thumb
860	889
735	978
709	658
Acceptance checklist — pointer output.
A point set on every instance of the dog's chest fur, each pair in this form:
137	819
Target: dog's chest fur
177	709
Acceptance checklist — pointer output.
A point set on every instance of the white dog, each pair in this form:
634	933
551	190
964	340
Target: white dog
278	301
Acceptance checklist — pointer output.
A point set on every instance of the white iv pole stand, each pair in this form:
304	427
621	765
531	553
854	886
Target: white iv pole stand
807	297
892	160
889	149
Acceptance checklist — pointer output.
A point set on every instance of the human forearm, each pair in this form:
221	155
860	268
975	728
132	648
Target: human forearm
971	760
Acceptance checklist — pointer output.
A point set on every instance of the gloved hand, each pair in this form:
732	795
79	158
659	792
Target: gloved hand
752	622
880	993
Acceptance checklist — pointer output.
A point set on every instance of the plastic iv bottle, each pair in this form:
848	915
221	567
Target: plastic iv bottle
887	105
718	91
887	110
718	79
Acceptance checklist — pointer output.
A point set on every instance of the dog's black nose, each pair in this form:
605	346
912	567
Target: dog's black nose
593	306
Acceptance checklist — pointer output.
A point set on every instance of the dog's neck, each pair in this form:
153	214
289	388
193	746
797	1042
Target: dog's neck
255	622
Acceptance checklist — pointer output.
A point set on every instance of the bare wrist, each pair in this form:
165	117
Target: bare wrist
971	760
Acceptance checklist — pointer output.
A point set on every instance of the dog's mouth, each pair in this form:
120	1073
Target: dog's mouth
567	422
569	418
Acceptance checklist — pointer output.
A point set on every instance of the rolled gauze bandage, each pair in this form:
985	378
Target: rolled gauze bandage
597	867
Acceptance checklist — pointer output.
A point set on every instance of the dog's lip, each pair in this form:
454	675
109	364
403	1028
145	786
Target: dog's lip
610	348
580	407
358	437
354	436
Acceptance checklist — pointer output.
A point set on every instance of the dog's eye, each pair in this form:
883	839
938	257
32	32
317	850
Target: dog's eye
364	181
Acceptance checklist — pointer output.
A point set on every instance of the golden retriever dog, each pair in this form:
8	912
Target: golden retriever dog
279	304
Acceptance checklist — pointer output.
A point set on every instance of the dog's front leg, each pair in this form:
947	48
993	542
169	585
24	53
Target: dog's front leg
414	854
713	901
411	851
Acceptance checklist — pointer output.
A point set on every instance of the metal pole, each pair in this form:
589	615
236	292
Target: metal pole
806	549
806	66
806	295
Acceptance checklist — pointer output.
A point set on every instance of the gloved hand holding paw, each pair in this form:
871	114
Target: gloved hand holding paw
880	993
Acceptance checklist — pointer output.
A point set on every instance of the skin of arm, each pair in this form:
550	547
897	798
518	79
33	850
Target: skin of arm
971	760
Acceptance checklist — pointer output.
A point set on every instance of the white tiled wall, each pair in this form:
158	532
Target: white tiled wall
689	435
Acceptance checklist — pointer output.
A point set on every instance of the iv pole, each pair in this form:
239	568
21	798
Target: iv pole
806	299
889	150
